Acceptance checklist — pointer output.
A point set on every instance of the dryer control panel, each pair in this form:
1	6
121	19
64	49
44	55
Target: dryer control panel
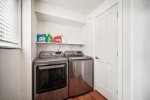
50	54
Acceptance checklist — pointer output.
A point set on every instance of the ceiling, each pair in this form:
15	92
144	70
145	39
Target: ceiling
83	7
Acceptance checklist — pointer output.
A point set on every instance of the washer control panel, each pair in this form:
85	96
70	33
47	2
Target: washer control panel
73	54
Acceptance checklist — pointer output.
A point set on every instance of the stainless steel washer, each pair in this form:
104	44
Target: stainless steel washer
50	76
80	73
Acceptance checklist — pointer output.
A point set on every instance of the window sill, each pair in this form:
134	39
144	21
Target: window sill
7	45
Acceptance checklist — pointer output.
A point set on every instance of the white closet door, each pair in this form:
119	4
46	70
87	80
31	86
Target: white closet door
106	53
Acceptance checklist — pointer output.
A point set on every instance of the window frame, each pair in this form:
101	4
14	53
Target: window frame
9	45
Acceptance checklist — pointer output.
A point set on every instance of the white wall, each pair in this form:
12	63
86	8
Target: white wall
137	12
26	61
126	50
34	31
87	34
15	64
71	32
57	11
72	35
140	50
145	51
10	84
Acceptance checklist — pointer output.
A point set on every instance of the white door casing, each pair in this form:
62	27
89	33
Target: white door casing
106	49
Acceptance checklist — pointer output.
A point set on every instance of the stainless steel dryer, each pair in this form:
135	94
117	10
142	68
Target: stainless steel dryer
80	73
50	76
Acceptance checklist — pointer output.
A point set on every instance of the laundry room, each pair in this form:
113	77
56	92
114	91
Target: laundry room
74	49
61	35
65	29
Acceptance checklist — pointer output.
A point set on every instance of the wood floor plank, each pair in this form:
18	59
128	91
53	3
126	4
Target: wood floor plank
94	95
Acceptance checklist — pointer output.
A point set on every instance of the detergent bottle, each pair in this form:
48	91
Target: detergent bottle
49	38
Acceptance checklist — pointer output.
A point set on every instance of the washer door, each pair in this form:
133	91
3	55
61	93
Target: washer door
51	77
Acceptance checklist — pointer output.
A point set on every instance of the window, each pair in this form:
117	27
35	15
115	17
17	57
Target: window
10	23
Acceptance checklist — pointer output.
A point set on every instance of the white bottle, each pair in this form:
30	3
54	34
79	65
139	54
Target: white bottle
64	39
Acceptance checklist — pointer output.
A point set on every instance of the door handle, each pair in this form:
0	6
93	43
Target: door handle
97	57
51	67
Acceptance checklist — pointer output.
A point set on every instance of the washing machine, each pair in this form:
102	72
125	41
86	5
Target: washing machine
80	73
50	76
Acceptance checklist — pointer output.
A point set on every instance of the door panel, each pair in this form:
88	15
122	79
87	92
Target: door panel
106	50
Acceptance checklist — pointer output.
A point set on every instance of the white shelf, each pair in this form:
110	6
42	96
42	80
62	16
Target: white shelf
48	17
60	43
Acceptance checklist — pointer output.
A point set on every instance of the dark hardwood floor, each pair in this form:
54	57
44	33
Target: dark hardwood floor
94	95
78	86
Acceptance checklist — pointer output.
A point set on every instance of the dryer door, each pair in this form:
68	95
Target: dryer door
80	76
